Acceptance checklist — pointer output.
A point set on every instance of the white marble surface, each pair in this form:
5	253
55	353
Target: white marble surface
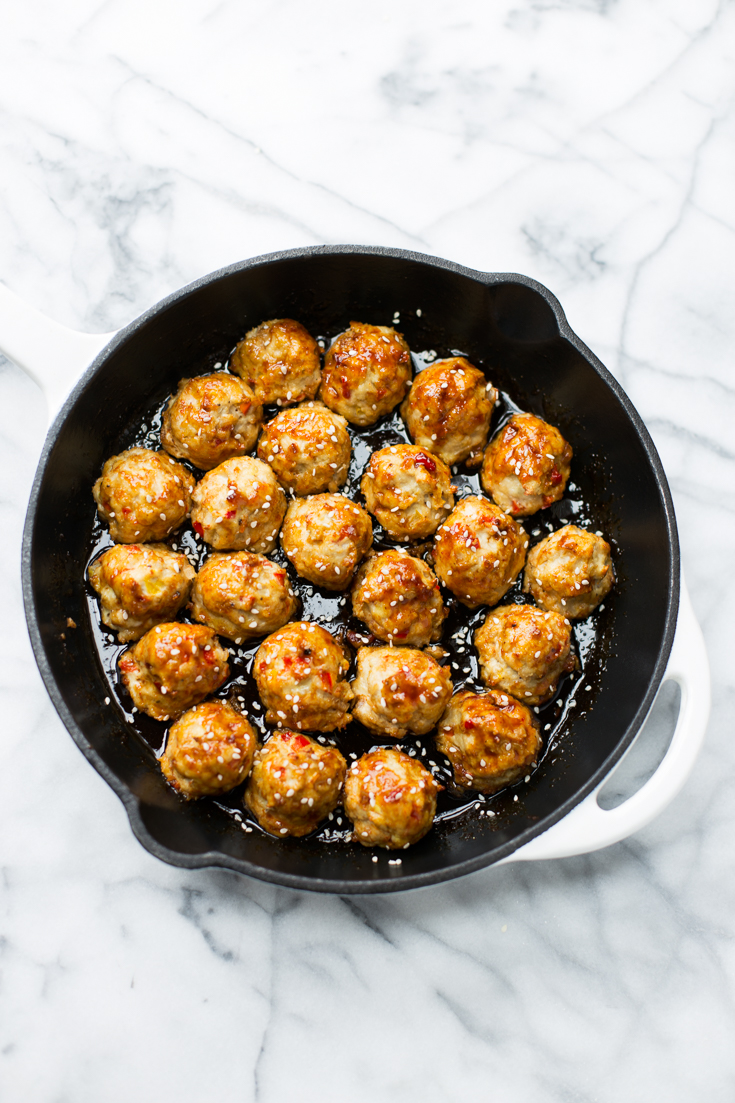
587	143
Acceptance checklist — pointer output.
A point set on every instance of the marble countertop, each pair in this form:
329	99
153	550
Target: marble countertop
586	143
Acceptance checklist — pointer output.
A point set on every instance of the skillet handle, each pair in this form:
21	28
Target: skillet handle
588	827
53	355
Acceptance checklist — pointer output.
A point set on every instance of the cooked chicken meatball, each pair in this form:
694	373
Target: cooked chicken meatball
569	572
142	495
211	419
242	595
239	505
299	672
448	410
279	360
209	750
526	466
479	552
295	783
399	690
308	448
366	372
398	598
140	585
490	739
325	537
173	667
524	651
407	490
390	799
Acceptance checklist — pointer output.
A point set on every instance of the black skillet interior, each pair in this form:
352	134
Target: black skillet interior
517	330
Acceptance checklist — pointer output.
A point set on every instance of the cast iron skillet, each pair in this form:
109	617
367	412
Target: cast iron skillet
505	320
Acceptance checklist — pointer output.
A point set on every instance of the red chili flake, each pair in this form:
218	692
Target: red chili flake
209	656
555	476
230	514
197	526
326	677
470	724
422	460
299	741
127	665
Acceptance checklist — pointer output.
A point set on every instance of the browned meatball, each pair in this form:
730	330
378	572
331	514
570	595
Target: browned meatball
569	572
408	490
366	372
279	360
242	596
173	667
300	672
211	419
142	495
479	552
308	448
239	505
209	750
398	598
490	739
390	799
398	690
140	585
448	410
526	466
524	651
295	783
325	537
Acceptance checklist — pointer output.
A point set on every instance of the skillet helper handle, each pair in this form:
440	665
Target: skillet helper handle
53	355
588	827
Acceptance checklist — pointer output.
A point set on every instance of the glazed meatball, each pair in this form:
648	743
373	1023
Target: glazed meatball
325	537
242	595
569	572
366	372
142	495
239	505
399	690
526	466
398	598
211	419
279	360
299	672
140	585
524	651
408	491
308	448
209	750
172	667
479	552
295	783
448	410
390	799
490	739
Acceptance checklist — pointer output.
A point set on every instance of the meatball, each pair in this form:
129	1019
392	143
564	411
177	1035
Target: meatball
279	360
295	783
308	448
390	799
366	372
448	410
408	491
479	552
490	739
524	651
173	667
209	750
398	598
211	419
242	595
325	537
239	505
142	495
526	466
140	585
399	690
569	572
299	672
